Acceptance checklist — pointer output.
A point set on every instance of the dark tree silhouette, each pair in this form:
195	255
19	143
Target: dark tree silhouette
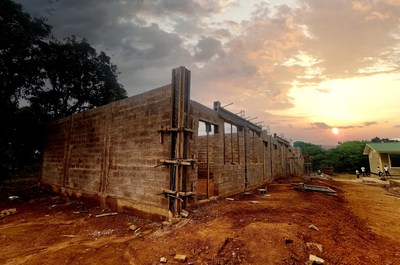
57	78
77	79
21	40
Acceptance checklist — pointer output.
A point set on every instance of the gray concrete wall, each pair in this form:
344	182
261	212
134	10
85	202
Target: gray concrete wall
112	151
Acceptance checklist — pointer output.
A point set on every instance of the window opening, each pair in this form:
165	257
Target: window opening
394	160
231	143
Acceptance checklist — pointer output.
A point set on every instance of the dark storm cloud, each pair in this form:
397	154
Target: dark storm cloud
185	8
208	48
126	31
248	58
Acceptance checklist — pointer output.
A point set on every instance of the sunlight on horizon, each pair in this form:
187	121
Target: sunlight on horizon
349	101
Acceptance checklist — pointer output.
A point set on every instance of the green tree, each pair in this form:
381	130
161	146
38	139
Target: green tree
346	157
313	149
376	140
308	148
77	79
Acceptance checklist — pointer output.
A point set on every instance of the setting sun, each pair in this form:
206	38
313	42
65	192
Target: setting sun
335	130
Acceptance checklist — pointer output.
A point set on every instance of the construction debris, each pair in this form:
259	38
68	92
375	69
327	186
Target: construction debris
262	191
83	211
184	213
180	258
316	245
106	214
98	233
375	182
315	260
317	177
305	187
133	228
70	236
313	227
7	212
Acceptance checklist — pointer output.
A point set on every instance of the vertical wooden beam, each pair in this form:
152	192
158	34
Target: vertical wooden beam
245	130
208	162
106	153
179	148
67	151
232	160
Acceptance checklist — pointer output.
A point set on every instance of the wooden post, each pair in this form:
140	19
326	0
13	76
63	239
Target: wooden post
181	100
208	162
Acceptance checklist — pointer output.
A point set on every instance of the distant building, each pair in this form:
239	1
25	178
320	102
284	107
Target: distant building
381	154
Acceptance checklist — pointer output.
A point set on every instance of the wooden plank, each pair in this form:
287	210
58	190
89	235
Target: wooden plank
106	214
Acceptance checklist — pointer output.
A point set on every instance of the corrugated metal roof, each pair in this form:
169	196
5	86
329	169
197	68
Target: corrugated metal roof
382	147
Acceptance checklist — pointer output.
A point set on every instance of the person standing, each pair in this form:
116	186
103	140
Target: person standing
378	170
386	168
357	173
363	171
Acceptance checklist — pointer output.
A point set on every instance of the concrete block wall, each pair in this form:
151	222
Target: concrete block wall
266	157
54	152
135	147
112	151
84	158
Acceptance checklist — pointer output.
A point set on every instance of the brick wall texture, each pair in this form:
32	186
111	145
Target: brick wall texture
113	153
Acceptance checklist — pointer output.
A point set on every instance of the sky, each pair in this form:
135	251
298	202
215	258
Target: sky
298	67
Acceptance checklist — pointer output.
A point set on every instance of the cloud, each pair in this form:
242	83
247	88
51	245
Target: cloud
369	123
254	62
320	125
323	125
147	39
346	33
208	48
323	90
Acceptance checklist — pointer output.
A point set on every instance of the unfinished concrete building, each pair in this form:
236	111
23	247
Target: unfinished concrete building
160	152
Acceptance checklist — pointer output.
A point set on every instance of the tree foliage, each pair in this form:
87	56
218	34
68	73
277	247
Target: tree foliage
77	79
22	38
346	157
308	148
57	78
376	139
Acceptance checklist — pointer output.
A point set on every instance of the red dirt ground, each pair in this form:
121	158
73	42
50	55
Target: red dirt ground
358	226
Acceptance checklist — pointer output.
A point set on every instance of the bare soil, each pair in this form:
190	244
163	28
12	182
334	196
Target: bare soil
360	225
